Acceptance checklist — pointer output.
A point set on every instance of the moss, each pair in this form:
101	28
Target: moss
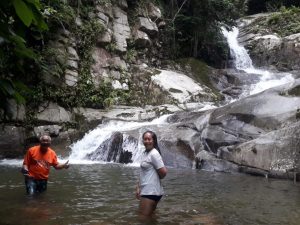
284	23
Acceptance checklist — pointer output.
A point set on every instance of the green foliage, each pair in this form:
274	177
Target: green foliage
20	21
284	23
130	55
195	26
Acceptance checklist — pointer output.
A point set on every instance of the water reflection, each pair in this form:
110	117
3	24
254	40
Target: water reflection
104	194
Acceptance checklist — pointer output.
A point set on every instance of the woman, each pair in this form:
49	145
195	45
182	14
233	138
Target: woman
149	189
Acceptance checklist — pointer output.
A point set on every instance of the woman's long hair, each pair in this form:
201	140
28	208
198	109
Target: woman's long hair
154	137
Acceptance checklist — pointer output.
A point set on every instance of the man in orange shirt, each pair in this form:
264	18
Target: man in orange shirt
36	165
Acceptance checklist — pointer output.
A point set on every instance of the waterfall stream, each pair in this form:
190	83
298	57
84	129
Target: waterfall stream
243	62
93	140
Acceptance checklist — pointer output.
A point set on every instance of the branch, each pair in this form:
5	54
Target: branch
178	10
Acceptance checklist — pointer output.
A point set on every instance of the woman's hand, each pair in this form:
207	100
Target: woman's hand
138	192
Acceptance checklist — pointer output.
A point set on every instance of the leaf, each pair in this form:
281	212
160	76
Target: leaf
23	12
6	87
19	98
25	52
39	20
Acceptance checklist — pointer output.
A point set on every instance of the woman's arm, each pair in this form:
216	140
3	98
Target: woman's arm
162	172
138	190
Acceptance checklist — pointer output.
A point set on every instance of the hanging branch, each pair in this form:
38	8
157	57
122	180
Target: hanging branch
178	10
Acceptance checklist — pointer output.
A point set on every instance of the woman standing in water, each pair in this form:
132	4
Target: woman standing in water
149	189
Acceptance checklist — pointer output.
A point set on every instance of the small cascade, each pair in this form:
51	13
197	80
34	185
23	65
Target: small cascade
243	62
110	143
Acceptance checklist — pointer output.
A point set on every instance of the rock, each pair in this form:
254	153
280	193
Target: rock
275	151
118	63
154	12
78	22
72	53
104	18
53	113
71	77
121	29
209	162
106	10
148	26
14	111
105	38
72	64
141	39
116	85
12	141
111	150
115	74
52	130
123	4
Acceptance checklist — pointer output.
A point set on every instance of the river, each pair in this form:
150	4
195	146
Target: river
102	194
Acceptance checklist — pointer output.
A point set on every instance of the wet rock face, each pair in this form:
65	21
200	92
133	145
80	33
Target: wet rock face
111	150
269	49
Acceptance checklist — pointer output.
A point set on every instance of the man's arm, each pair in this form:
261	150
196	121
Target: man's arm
62	166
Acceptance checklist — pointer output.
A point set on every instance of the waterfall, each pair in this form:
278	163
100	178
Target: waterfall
243	62
95	138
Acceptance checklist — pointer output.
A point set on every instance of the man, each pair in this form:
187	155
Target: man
36	165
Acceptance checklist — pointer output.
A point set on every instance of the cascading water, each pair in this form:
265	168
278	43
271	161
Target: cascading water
243	62
93	147
92	140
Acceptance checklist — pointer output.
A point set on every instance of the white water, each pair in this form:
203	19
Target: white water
94	138
242	61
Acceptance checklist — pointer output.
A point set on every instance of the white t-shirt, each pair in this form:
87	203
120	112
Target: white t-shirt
150	183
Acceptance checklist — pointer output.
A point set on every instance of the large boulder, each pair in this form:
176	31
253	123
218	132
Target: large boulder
267	48
121	29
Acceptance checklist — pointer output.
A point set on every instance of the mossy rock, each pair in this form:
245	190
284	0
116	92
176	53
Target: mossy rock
200	72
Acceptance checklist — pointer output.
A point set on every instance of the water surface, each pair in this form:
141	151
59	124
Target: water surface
103	194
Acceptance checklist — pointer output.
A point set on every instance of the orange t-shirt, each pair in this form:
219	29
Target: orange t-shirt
38	163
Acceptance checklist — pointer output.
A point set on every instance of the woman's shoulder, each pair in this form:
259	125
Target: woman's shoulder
155	152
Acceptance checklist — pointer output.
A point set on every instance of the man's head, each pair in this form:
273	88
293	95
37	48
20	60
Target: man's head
45	141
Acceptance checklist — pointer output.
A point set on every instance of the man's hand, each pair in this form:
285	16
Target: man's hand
66	165
25	172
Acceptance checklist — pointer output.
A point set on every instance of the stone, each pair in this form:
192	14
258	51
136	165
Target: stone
12	141
115	74
116	85
78	22
105	38
141	39
148	26
51	130
71	77
103	17
121	29
72	64
16	112
53	113
118	63
73	53
154	12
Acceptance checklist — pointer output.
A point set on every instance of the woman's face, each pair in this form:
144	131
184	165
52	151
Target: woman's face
148	141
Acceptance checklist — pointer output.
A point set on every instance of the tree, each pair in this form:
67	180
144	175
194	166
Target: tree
198	24
20	21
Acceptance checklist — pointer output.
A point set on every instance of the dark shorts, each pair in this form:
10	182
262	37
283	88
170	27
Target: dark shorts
155	198
34	186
